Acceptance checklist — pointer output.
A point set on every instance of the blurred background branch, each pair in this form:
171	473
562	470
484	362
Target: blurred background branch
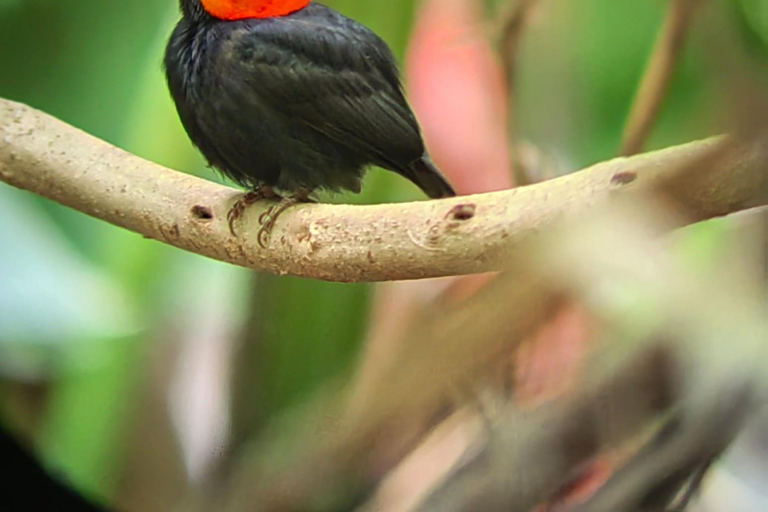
658	74
514	19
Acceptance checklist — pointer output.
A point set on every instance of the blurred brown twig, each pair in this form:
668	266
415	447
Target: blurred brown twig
514	20
658	74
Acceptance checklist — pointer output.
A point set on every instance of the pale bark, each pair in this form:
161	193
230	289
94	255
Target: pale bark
340	242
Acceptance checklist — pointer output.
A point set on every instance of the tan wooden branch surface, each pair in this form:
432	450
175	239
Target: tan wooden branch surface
337	242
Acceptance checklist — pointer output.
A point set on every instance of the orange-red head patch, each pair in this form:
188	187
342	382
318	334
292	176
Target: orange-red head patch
242	9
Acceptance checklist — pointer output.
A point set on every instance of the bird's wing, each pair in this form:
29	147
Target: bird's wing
340	79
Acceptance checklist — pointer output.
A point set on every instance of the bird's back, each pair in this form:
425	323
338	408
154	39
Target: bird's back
301	101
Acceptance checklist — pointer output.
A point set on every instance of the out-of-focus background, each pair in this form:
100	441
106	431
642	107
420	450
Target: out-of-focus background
121	357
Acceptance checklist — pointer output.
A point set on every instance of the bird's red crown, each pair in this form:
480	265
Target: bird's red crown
242	9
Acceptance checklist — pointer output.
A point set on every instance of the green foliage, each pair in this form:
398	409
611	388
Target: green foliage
752	16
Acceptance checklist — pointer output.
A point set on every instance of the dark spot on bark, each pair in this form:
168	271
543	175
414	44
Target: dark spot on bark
202	212
623	178
462	212
433	234
169	233
664	377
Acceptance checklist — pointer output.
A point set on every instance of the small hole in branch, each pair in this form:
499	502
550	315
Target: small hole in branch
202	212
462	212
623	178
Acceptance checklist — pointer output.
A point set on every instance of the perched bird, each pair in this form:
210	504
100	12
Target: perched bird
290	95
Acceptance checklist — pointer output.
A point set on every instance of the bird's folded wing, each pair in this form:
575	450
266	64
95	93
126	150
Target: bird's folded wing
343	85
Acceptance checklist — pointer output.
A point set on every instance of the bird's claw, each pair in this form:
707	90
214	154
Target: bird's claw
245	201
268	218
264	216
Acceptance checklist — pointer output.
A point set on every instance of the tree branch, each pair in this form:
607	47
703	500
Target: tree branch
340	242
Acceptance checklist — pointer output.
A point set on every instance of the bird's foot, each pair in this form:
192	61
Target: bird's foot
249	198
268	218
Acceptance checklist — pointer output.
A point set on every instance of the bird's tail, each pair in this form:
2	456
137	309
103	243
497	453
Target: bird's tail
429	179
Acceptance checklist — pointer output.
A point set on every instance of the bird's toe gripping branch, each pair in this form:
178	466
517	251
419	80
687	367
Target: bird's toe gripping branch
268	218
249	198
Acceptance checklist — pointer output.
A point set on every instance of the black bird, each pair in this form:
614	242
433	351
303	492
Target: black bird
291	95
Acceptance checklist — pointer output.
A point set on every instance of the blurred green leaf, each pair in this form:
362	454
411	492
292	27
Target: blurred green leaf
49	295
752	16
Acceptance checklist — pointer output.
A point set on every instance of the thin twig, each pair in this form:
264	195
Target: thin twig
514	21
658	75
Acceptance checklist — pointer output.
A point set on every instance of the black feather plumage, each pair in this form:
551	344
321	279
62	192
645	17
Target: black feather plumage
297	102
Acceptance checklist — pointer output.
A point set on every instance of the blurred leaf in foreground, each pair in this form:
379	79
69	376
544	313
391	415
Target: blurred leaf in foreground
49	297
